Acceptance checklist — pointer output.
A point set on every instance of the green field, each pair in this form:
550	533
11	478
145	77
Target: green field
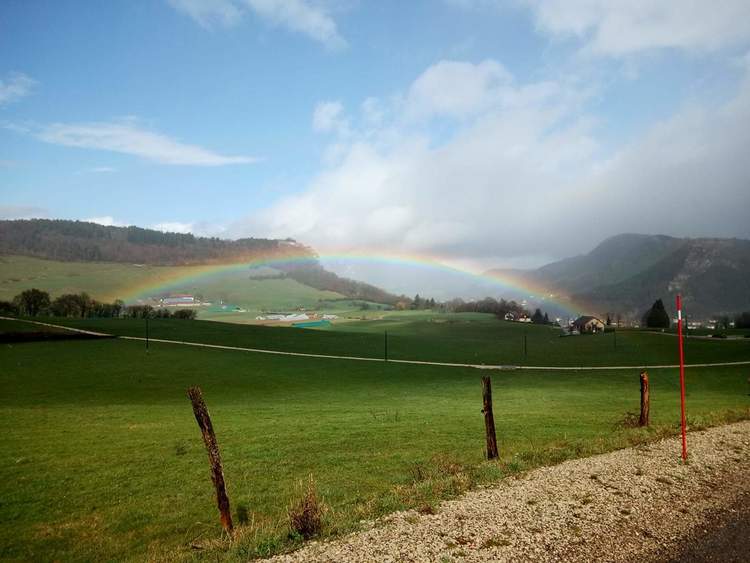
102	458
421	335
109	281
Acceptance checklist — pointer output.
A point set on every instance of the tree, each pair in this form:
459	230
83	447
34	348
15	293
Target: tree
546	319
66	305
32	302
656	316
609	320
537	318
184	314
8	308
139	311
742	320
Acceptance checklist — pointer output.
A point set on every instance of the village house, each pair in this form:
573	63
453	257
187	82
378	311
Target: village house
588	324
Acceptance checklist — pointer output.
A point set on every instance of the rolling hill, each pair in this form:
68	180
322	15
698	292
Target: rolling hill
626	273
109	262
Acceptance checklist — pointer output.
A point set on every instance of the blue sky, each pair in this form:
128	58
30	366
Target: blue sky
474	130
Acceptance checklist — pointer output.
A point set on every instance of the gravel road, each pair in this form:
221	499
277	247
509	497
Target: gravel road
637	504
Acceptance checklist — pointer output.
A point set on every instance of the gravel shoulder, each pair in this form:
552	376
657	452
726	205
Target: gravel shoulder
639	503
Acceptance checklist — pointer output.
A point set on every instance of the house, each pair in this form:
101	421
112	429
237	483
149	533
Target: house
588	324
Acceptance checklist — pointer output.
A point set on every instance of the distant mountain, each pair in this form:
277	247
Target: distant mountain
626	273
80	241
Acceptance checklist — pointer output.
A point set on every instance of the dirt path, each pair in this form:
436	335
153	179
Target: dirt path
638	504
366	359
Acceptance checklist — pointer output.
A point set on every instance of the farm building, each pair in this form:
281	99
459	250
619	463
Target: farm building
285	317
588	324
182	299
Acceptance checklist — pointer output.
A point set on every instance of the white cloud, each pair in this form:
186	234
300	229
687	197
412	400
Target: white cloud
209	12
16	86
620	28
174	227
457	89
329	117
300	16
525	176
106	220
128	138
22	212
98	170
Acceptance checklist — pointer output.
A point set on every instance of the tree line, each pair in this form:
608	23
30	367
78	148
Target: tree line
497	307
657	317
38	303
90	242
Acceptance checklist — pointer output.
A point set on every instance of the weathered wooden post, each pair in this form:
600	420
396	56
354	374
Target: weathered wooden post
645	407
489	419
209	438
386	346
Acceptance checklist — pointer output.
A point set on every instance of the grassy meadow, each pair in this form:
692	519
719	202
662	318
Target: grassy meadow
102	458
473	338
108	281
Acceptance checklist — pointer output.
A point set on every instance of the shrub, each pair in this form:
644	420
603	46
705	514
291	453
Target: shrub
184	314
8	308
306	513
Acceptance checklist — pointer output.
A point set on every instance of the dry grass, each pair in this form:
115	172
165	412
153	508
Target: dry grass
307	512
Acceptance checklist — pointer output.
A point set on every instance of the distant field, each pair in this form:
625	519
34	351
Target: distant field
102	459
109	281
420	335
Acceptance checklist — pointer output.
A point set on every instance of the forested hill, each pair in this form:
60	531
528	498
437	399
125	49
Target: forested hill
80	241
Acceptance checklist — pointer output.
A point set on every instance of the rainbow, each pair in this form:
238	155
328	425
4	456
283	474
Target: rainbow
170	278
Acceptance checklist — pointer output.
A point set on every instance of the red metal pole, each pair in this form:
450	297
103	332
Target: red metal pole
682	378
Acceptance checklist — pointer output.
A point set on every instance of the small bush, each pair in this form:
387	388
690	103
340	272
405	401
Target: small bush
188	314
306	513
630	420
181	447
243	514
718	335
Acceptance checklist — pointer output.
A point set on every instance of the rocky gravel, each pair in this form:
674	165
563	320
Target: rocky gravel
640	503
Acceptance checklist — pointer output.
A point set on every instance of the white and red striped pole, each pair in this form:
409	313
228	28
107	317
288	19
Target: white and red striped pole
682	378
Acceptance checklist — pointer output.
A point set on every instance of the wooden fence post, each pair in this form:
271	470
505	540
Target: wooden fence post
209	438
645	406
386	346
489	419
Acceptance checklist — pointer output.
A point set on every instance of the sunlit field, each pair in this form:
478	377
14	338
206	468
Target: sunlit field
102	458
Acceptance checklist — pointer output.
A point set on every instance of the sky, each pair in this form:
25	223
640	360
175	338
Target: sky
481	132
